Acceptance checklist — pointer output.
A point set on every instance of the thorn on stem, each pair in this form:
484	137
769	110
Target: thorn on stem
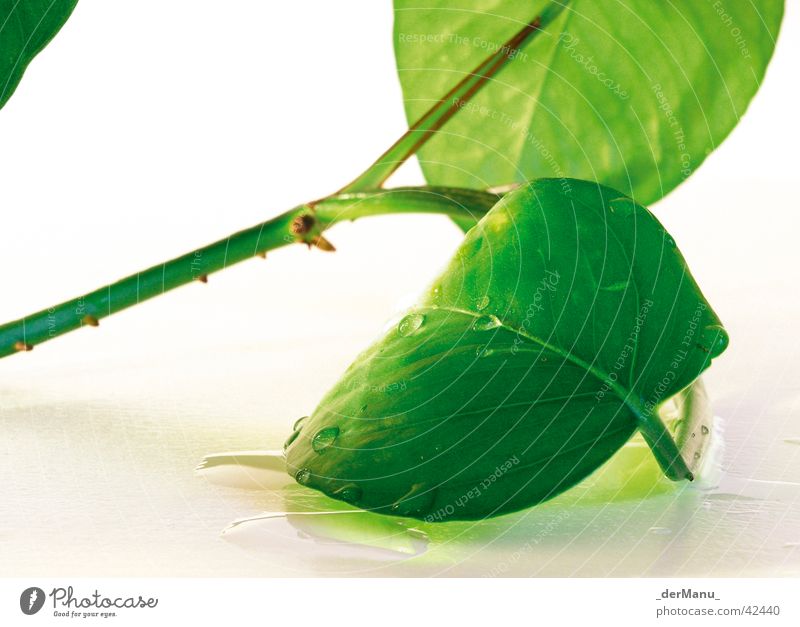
323	244
262	255
23	347
203	278
91	321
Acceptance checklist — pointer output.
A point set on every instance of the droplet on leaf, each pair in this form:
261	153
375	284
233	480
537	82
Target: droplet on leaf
410	324
324	438
303	476
486	323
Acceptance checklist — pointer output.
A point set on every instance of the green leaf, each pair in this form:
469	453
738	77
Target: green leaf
564	320
26	27
633	94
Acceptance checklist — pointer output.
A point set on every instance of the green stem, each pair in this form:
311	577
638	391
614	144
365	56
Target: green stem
660	441
304	223
301	224
424	128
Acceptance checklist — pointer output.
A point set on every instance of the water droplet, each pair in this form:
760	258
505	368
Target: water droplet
703	429
410	324
482	303
669	240
349	493
299	423
290	439
697	455
480	351
486	323
324	438
303	476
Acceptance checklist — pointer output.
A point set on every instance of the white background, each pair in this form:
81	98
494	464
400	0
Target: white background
147	128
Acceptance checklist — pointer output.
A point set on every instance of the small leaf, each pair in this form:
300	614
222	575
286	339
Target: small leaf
633	94
559	327
26	27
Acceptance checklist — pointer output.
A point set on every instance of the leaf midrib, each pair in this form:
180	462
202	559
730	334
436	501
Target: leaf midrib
603	377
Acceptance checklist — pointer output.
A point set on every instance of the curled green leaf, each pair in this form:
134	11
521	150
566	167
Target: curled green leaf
564	320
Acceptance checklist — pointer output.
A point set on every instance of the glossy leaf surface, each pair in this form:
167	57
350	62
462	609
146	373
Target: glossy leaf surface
566	317
633	93
26	27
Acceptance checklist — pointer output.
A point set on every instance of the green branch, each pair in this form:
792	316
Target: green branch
424	128
304	224
301	224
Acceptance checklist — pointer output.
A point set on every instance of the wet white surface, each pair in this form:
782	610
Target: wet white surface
101	431
99	478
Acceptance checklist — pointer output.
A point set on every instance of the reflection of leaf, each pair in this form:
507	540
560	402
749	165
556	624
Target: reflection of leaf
632	93
26	27
565	318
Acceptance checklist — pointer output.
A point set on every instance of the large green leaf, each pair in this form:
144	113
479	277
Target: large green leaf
564	320
631	93
26	27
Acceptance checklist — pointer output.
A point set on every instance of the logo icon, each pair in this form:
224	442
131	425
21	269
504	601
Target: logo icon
31	600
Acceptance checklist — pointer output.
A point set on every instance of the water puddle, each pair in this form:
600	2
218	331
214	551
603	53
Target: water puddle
309	525
334	534
309	530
